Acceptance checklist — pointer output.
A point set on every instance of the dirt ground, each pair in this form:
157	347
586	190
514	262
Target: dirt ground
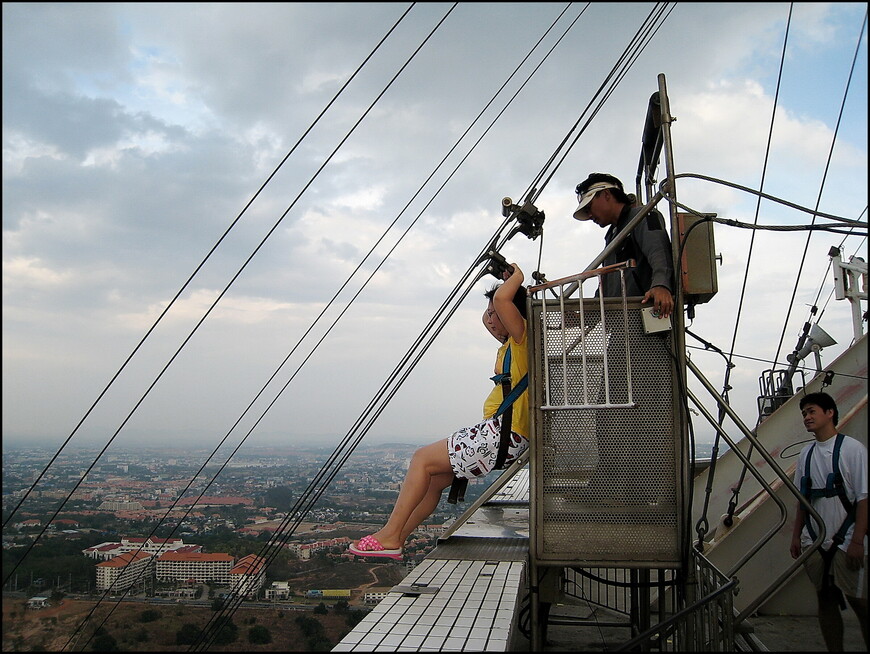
51	628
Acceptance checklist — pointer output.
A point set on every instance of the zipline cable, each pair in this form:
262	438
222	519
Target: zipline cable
201	264
735	491
279	537
355	296
626	60
220	618
271	231
766	196
624	55
320	477
247	261
364	422
400	239
703	525
824	178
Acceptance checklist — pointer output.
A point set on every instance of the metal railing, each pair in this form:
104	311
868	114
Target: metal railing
704	625
606	465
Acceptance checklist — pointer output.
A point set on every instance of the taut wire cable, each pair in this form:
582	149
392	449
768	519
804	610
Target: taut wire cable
201	264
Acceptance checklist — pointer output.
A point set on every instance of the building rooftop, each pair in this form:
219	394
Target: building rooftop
123	560
195	557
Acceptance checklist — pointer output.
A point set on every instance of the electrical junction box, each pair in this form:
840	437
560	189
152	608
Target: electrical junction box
652	323
698	260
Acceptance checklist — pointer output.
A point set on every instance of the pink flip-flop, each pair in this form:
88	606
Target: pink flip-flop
371	546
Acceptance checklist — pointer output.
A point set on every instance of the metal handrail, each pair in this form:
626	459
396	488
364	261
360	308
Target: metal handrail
666	627
491	490
817	543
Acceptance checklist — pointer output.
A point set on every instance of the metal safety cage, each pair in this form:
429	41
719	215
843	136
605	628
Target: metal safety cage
605	456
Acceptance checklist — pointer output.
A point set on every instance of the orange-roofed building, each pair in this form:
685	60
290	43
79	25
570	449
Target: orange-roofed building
123	571
248	575
151	545
199	566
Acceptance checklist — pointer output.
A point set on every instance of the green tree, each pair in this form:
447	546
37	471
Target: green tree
187	635
150	615
259	635
319	643
321	609
104	642
227	633
53	558
309	626
353	618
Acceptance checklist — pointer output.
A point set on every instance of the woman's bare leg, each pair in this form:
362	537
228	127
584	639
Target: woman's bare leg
437	485
428	463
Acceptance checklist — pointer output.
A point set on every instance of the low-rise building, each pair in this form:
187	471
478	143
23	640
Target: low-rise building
27	524
103	551
374	595
63	523
279	590
305	550
248	575
151	545
123	571
199	566
117	505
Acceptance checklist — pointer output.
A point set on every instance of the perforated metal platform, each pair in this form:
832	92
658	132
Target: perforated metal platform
516	491
606	461
445	606
482	549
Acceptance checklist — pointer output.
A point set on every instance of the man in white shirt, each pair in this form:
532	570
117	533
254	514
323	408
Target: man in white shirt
832	475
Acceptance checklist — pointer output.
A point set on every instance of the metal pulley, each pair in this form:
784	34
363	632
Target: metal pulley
530	219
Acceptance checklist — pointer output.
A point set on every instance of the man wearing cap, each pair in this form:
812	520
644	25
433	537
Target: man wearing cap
618	478
603	201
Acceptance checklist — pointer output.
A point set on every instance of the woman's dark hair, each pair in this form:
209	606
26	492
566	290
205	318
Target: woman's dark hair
824	401
519	298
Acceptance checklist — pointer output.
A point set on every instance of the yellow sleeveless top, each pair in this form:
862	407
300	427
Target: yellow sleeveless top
519	368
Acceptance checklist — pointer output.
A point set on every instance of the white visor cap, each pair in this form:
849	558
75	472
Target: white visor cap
586	198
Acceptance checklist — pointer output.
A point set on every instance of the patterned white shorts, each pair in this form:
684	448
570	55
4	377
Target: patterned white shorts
473	450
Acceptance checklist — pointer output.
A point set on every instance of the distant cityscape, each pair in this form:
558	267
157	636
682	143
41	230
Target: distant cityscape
146	526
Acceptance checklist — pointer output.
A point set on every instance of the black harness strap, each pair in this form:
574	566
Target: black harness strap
457	490
834	487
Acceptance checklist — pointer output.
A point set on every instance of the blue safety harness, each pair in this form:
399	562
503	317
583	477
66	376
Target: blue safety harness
505	410
834	487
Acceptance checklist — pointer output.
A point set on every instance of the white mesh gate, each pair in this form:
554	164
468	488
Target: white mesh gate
605	454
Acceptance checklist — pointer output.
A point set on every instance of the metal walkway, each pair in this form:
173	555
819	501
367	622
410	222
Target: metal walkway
465	596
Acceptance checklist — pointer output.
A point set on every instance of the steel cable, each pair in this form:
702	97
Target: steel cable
369	279
218	620
199	267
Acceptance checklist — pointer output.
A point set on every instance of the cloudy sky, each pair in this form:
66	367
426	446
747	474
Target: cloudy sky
134	135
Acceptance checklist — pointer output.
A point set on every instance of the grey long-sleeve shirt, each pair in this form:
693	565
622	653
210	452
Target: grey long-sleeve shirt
650	246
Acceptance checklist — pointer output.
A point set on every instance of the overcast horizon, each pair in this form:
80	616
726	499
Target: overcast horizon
134	134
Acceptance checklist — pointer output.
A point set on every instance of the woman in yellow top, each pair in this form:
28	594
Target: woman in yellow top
471	451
